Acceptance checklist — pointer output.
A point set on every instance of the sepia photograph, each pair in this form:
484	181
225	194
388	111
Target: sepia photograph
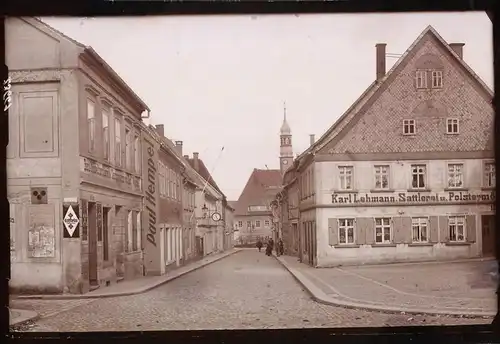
251	171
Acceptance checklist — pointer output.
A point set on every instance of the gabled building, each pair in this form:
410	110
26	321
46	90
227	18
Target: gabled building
74	165
407	173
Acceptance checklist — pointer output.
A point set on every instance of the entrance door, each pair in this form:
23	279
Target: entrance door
488	234
92	221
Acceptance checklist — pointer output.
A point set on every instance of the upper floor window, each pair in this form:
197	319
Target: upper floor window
91	124
452	125
437	79
240	224
249	224
418	176
118	142
128	160
421	79
409	127
346	177
266	223
257	224
137	157
105	133
455	175
382	177
489	174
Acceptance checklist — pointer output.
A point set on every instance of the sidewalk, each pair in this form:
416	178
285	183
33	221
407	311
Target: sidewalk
447	288
132	287
19	316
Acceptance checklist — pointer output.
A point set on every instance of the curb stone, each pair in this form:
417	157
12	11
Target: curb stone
24	317
122	293
321	297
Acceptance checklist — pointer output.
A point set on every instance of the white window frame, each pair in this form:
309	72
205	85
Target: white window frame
489	176
106	133
412	166
379	172
240	224
454	125
456	221
257	223
346	172
436	79
457	175
383	227
267	223
420	222
91	125
421	79
346	229
409	127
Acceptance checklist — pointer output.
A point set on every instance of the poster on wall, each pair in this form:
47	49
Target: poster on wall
71	222
41	233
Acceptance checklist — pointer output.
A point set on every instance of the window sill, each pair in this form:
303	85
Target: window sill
384	245
346	246
457	243
382	190
418	244
455	189
344	191
488	188
410	135
452	134
418	190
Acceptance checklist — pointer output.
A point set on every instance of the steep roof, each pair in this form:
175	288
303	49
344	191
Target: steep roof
260	189
203	171
378	87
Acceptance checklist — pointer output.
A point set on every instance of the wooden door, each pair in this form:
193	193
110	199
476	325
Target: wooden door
488	234
92	228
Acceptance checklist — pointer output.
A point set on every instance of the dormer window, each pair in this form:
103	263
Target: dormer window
409	127
437	79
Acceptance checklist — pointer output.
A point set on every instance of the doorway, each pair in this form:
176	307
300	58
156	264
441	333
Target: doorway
488	235
92	221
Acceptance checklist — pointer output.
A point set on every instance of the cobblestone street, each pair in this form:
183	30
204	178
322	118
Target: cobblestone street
245	290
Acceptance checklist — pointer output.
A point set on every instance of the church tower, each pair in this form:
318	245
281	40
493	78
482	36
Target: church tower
286	151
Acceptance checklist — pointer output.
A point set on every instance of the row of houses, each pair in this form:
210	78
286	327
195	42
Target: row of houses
96	195
407	173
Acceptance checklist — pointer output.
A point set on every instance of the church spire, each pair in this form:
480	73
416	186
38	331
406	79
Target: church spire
285	128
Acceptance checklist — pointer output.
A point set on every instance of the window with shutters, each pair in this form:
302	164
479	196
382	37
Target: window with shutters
455	175
489	175
381	177
419	226
346	231
383	230
346	177
418	176
456	225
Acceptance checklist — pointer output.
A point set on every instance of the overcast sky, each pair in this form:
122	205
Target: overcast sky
217	81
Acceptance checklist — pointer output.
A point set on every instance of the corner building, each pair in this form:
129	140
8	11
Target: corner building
407	173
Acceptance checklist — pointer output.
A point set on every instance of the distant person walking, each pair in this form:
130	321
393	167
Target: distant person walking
270	246
259	244
280	247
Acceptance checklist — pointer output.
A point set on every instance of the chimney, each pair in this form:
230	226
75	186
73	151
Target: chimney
380	60
178	146
458	48
186	156
311	139
196	161
160	130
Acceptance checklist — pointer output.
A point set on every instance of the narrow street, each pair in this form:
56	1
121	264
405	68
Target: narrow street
246	290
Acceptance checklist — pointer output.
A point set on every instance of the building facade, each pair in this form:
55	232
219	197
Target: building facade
407	173
74	181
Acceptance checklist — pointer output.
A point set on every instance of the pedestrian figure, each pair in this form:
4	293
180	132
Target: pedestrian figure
280	247
269	248
259	244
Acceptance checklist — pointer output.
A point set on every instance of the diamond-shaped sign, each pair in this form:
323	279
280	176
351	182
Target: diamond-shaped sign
70	221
